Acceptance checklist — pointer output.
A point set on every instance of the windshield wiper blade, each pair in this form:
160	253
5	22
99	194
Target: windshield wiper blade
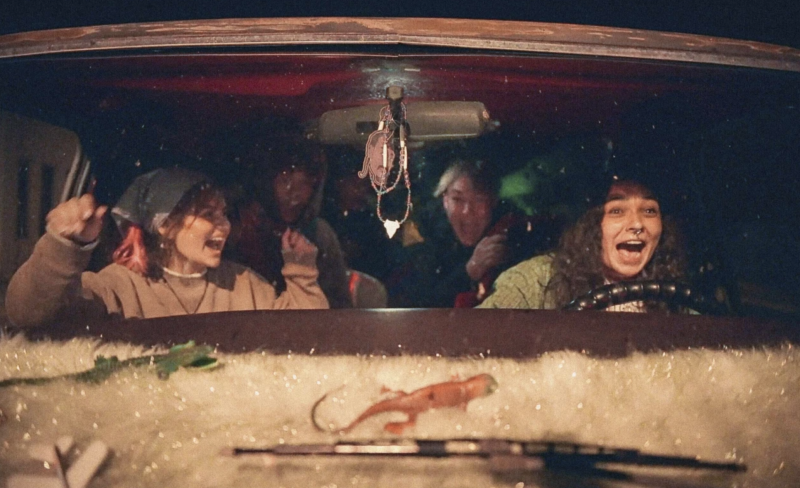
550	455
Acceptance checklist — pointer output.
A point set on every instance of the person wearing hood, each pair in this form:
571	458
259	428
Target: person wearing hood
289	195
169	262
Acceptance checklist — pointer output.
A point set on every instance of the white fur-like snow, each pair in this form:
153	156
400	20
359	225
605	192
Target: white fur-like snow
718	405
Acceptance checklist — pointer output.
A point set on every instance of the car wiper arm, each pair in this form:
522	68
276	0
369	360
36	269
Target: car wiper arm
551	455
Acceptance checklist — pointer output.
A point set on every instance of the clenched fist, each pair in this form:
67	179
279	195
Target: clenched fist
296	248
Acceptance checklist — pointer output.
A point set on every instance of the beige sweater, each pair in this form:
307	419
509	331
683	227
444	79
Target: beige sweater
52	286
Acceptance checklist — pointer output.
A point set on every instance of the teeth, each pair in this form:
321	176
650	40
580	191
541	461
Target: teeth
216	242
634	243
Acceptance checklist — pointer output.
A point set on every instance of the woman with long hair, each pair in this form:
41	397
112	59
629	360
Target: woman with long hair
289	191
169	262
625	239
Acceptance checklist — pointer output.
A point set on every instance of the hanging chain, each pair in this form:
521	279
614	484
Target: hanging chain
409	205
379	156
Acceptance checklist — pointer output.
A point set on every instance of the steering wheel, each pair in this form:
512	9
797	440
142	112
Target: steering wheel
668	292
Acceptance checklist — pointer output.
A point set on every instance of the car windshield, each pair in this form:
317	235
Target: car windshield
432	180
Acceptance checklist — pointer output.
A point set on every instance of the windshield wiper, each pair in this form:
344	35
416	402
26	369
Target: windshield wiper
528	455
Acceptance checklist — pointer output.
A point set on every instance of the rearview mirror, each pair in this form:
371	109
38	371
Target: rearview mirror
427	121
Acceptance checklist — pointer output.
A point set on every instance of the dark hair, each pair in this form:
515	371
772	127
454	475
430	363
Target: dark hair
578	265
288	156
292	155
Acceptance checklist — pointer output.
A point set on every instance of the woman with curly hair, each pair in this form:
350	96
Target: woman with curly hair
625	239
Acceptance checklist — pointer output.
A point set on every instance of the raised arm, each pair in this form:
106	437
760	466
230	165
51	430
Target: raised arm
50	280
301	274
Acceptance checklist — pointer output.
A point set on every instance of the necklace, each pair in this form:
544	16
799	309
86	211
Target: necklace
182	275
196	300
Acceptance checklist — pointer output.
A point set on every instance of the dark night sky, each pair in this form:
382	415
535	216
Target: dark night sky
775	21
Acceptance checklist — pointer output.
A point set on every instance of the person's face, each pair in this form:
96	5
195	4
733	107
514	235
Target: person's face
199	242
468	210
631	229
293	191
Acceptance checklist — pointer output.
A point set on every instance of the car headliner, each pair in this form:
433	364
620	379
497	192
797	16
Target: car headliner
539	77
208	93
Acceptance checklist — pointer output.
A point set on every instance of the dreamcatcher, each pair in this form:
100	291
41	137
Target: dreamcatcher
382	150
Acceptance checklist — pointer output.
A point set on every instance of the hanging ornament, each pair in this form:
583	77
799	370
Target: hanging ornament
391	227
380	154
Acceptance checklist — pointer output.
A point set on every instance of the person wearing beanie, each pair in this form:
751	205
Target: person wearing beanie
170	262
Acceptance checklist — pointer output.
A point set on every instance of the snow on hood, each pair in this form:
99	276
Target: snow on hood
727	405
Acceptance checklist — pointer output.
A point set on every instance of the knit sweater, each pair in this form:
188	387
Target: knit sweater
523	286
52	286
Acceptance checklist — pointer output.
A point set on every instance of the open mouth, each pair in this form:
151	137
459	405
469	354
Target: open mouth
631	246
216	243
